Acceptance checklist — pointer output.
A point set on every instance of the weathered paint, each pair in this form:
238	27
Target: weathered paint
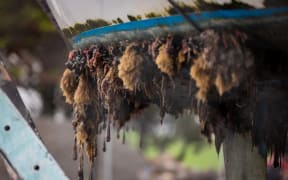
172	21
22	147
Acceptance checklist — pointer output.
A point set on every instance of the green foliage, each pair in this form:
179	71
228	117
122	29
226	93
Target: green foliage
186	145
22	24
195	155
204	158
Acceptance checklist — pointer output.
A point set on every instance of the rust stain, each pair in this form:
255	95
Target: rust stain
4	75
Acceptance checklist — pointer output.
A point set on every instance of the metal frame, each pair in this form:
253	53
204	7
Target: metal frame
20	143
22	147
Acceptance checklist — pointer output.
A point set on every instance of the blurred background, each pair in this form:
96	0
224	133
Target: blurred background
35	56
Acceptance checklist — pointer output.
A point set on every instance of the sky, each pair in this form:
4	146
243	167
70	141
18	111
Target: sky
68	12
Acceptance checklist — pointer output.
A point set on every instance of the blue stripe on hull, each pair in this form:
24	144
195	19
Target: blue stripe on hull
178	19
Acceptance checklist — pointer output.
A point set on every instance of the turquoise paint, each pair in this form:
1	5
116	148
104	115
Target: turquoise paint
22	147
171	21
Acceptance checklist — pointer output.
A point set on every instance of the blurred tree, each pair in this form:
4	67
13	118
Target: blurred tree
22	24
28	38
184	129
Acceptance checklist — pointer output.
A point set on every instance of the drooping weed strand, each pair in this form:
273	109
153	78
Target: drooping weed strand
68	85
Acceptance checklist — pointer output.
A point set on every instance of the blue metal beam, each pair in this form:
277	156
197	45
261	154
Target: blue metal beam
21	146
